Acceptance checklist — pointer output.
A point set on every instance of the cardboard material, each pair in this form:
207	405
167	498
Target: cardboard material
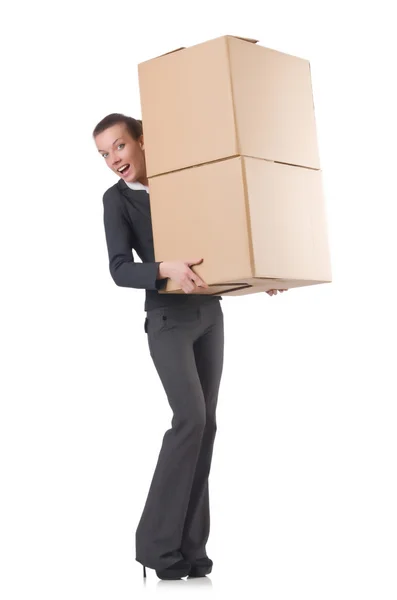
233	166
258	224
223	98
183	47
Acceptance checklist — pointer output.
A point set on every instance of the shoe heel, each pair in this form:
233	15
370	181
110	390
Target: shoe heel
144	571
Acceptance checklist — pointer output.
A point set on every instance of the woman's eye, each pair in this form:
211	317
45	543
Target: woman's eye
105	155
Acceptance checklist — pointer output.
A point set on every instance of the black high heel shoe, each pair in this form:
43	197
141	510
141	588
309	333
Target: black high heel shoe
176	571
201	567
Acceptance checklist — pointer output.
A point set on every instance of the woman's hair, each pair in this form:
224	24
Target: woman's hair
134	126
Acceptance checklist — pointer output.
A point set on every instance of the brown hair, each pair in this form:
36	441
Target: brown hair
134	126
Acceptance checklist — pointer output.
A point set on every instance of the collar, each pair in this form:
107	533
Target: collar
137	185
123	185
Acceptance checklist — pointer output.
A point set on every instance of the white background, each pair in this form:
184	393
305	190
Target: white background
303	480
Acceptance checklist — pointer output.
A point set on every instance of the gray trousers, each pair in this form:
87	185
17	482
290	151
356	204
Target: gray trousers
186	345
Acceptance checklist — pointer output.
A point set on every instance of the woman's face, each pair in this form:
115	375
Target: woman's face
118	148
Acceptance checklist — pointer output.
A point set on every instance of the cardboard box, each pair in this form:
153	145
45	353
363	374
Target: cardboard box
227	97
258	224
233	166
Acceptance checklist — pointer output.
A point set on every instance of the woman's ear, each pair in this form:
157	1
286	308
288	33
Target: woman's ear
141	142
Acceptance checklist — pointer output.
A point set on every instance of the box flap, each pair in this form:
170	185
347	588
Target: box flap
244	39
233	36
171	51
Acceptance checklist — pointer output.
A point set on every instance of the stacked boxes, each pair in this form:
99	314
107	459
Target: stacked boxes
233	166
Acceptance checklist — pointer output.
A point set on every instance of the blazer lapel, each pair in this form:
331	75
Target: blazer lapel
135	198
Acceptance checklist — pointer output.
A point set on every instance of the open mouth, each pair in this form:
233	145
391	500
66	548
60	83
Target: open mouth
125	169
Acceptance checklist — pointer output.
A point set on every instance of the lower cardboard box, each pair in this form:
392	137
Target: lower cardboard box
258	225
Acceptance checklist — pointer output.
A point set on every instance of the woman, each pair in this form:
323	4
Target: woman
185	335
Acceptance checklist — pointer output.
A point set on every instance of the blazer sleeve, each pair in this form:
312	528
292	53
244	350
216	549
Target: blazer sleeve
120	240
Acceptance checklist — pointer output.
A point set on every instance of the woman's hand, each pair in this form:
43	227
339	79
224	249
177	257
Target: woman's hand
180	272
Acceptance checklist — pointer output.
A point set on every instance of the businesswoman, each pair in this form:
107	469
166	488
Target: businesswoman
185	334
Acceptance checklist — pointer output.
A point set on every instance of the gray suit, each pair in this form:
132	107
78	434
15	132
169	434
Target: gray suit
185	336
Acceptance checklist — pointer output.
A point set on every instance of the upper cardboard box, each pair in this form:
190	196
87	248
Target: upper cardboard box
227	97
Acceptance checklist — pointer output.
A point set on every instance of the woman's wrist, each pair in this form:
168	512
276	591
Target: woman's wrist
162	271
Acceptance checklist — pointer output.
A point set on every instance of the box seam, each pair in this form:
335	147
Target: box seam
229	65
248	216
